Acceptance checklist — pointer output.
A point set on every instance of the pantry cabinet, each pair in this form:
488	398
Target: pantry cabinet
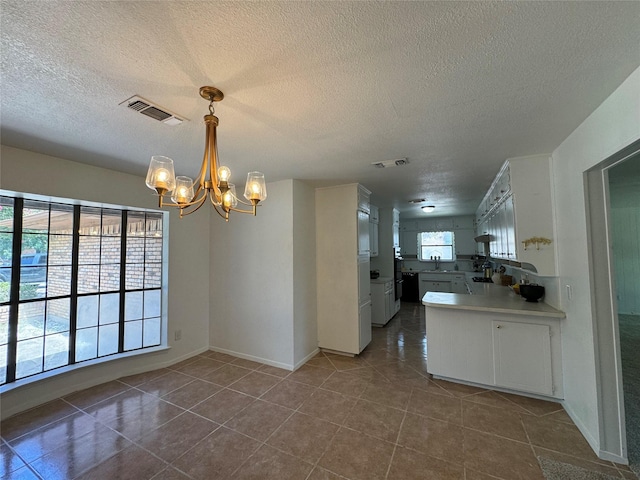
374	221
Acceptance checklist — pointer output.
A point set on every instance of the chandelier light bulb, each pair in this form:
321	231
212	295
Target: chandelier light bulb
224	174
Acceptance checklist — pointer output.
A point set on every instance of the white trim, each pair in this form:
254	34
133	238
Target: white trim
306	359
253	358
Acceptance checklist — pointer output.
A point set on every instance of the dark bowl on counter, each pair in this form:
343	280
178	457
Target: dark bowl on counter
532	292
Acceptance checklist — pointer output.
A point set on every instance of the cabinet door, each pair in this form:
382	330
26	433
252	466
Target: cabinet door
465	243
389	303
364	324
510	228
373	239
363	233
522	356
364	280
409	244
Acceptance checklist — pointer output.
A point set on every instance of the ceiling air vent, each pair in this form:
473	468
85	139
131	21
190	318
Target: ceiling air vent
156	112
398	162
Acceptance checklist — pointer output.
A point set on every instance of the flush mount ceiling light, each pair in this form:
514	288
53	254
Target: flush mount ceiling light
212	181
428	208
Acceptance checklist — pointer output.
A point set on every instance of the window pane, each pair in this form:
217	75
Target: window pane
109	277
135	250
151	332
152	275
153	250
110	252
90	219
6	215
29	357
6	246
89	251
60	249
61	220
5	287
109	308
135	224
86	344
35	217
3	363
134	276
111	222
108	340
56	350
30	320
88	278
152	304
87	311
59	281
154	225
133	306
58	312
133	335
4	325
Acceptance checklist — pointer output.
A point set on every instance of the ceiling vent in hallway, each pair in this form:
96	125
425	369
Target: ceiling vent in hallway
156	112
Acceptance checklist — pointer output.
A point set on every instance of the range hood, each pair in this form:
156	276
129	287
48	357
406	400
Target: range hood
483	238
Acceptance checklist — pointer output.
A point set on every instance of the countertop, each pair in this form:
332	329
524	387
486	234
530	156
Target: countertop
382	280
489	297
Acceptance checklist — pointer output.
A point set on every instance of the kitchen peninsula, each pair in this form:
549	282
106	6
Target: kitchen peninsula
494	338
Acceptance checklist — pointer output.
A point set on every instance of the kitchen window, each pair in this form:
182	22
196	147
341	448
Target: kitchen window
77	283
436	244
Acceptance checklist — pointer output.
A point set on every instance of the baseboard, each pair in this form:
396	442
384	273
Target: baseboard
266	361
306	359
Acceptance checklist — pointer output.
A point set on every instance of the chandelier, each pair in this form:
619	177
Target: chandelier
212	182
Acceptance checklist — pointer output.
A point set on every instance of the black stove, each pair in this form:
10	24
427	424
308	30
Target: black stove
482	280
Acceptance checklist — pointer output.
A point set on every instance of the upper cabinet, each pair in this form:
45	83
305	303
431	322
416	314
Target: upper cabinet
517	214
374	221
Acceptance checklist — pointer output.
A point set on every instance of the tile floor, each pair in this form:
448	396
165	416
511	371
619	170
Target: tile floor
376	416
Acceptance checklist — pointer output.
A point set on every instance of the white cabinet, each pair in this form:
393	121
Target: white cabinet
515	352
409	243
382	301
518	207
459	284
396	229
342	244
522	356
374	214
374	220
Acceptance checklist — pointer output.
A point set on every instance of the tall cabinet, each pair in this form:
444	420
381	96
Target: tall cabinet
343	248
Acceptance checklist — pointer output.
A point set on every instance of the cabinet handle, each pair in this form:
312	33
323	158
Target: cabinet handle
498	326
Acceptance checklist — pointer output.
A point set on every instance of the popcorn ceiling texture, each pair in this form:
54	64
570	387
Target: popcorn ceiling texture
315	90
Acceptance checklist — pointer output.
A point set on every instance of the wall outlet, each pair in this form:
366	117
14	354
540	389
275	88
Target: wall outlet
177	335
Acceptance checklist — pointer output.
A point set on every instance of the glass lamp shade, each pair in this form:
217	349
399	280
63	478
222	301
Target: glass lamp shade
229	198
160	175
224	174
256	188
183	193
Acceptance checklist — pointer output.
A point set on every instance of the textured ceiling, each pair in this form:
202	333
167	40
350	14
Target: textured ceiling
315	90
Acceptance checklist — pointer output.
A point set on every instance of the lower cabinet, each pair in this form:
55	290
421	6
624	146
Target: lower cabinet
364	324
382	302
516	352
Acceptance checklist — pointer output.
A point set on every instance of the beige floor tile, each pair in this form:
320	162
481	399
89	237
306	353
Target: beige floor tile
341	362
177	436
217	456
140	378
346	383
259	420
378	356
499	421
133	463
11	461
459	389
500	457
275	371
558	436
390	395
560	416
310	375
192	393
410	465
223	405
86	398
397	372
22	473
474	475
166	383
432	437
436	406
533	405
493	399
322	474
289	394
221	357
170	473
226	375
118	405
244	363
255	384
201	367
357	456
270	464
304	436
375	420
330	406
133	424
37	417
322	362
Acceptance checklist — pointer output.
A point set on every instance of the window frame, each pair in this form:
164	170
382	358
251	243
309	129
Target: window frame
9	378
452	245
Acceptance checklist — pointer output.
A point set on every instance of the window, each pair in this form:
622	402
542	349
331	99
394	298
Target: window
436	244
77	283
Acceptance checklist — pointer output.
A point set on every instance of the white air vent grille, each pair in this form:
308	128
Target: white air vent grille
156	112
398	162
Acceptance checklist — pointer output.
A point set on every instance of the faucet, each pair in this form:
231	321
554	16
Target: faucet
437	260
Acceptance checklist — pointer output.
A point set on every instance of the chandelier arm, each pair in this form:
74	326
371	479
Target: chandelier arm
199	204
213	165
224	215
251	212
185	204
203	168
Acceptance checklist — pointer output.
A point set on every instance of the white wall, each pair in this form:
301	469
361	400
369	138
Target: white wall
254	268
612	126
188	305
